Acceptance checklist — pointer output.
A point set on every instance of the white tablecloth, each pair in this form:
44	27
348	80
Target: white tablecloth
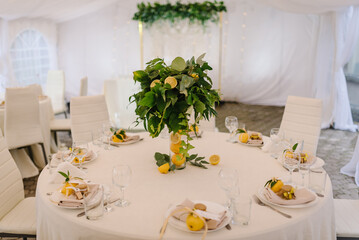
352	167
45	115
151	193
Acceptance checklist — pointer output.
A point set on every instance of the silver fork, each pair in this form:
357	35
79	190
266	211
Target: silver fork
259	202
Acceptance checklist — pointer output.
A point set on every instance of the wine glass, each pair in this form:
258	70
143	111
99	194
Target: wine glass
291	162
231	123
107	133
276	137
121	177
228	181
79	150
306	161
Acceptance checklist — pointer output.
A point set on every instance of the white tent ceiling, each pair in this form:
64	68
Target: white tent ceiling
56	10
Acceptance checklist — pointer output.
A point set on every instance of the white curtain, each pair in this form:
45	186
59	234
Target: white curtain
4	59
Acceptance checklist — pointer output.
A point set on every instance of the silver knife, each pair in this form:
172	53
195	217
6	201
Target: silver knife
83	213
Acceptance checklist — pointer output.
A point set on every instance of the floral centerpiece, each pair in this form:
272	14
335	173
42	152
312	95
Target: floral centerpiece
167	97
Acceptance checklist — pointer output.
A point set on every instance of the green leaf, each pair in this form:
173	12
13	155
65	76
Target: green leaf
148	100
193	156
178	64
140	75
200	107
187	81
295	146
199	59
240	130
159	156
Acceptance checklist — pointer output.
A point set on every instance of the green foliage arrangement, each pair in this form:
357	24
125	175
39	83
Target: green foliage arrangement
195	12
169	93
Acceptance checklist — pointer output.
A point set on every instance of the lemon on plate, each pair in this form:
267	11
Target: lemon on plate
194	223
214	159
243	137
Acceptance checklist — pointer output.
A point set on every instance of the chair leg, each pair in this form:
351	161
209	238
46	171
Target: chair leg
44	152
55	136
65	114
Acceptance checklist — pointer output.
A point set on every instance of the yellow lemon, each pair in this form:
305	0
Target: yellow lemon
164	168
277	186
243	137
289	154
178	159
66	190
171	81
154	82
194	223
192	130
175	138
76	160
175	147
194	75
116	139
214	159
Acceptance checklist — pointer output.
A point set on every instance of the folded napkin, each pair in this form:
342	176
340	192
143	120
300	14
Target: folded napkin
213	219
72	201
302	196
64	167
56	158
132	138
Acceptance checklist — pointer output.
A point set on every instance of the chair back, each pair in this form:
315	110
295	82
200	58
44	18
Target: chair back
84	86
88	113
302	121
55	89
22	117
11	186
37	89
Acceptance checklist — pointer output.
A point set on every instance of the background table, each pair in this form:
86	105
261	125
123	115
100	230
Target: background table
151	193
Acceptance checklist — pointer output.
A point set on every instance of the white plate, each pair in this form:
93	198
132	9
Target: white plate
318	163
252	145
127	142
211	207
88	161
264	199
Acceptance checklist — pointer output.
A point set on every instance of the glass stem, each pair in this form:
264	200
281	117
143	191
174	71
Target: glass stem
122	194
291	177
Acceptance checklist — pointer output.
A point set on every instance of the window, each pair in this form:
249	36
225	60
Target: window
30	58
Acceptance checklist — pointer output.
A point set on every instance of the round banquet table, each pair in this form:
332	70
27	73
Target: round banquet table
151	194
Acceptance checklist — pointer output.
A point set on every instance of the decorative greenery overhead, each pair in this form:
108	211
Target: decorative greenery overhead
195	12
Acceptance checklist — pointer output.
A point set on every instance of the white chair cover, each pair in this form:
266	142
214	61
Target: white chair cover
22	117
352	168
55	89
37	89
347	218
11	186
88	113
302	121
84	86
17	214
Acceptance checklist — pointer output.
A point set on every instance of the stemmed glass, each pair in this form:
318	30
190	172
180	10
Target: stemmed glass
107	133
276	137
290	161
121	177
306	161
231	123
79	150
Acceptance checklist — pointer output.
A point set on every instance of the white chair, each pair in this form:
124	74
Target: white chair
59	125
302	121
84	86
37	89
22	123
88	113
346	218
17	214
55	89
117	93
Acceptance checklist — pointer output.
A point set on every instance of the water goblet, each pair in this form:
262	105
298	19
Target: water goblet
107	132
276	137
231	123
306	161
228	181
121	177
79	150
291	162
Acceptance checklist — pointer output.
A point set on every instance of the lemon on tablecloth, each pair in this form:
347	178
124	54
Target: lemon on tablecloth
214	159
164	168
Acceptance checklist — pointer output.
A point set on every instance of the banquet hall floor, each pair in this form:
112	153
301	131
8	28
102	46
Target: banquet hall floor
335	146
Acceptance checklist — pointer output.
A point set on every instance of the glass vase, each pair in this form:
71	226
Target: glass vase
176	158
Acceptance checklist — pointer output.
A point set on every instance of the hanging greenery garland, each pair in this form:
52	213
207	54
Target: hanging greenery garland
195	12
